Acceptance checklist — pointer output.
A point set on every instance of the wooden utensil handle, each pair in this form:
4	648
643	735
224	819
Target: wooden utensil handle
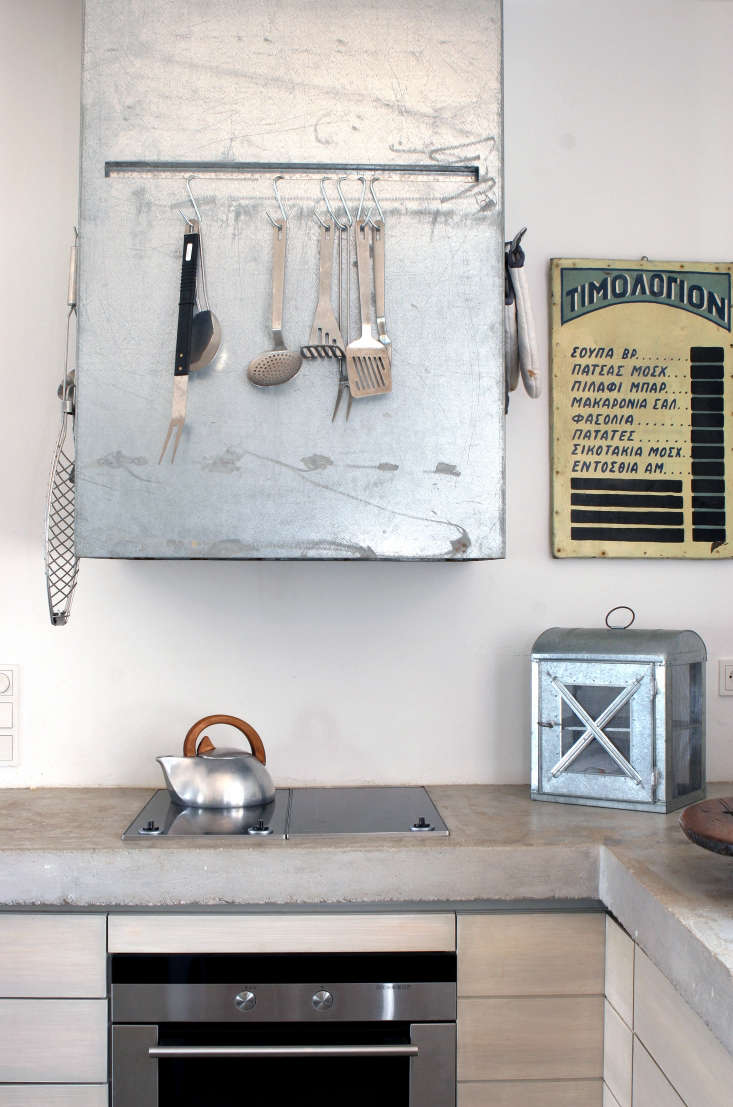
255	742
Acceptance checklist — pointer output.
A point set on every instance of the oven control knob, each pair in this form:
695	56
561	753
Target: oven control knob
245	1001
322	1001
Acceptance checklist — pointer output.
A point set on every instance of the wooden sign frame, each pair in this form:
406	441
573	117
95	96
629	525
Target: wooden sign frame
642	386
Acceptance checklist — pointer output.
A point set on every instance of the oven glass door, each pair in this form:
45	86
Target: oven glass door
368	1074
397	1064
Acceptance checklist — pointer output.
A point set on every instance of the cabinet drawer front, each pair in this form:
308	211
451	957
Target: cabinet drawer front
530	1038
52	956
554	954
536	1093
651	1087
691	1057
620	971
281	933
617	1049
54	1095
53	1040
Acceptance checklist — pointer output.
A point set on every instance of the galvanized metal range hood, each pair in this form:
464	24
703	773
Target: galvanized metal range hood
409	93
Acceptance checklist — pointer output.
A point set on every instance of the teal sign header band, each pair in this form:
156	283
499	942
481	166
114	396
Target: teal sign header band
704	294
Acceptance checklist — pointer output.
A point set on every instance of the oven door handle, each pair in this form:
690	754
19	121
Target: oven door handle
161	1052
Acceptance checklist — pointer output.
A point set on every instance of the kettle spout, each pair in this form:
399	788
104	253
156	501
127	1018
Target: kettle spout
167	764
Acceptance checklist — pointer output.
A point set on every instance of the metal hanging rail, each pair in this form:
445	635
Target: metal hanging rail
113	168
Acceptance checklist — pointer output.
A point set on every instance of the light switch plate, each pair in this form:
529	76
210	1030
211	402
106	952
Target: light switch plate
9	716
725	676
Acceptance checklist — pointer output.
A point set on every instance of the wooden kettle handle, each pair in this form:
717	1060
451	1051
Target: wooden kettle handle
189	744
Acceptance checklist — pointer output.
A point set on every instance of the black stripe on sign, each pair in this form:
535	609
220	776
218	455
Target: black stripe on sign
706	419
707	388
707	365
626	534
707	353
711	535
609	499
708	469
707	484
711	503
706	435
629	518
707	373
709	452
707	403
708	518
600	484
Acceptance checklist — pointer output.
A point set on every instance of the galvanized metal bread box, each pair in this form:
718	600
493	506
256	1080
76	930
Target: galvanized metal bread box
618	718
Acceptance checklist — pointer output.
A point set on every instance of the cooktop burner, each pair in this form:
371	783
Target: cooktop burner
296	813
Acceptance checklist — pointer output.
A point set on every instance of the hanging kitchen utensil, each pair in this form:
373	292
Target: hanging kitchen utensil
378	257
205	327
378	232
209	777
278	365
526	339
325	332
343	316
182	362
367	361
61	562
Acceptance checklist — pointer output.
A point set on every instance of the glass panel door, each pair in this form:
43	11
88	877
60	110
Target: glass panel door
596	725
285	1081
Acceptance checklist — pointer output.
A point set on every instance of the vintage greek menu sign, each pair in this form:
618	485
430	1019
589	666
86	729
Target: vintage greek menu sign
642	387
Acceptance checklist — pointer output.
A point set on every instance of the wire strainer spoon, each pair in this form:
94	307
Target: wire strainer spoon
278	365
61	562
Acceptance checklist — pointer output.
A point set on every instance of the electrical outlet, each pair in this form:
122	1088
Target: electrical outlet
9	706
725	676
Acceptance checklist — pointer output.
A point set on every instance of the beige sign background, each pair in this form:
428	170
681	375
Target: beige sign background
641	402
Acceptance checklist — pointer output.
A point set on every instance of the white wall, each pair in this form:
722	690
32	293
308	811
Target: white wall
616	145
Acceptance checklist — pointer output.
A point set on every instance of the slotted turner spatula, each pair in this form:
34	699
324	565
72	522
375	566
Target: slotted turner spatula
367	361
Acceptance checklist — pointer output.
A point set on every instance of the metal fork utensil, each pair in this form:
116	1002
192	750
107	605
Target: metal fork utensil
343	381
325	330
367	361
182	361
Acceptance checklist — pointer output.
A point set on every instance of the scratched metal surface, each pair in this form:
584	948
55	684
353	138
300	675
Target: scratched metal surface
264	473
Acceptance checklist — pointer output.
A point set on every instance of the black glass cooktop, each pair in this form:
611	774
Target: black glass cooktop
296	813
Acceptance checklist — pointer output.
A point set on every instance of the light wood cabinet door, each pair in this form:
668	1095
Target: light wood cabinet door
55	1041
530	954
53	956
620	971
291	933
617	1054
530	1038
651	1087
54	1095
531	1093
696	1064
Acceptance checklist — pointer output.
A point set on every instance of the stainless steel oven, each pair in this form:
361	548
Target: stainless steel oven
281	1030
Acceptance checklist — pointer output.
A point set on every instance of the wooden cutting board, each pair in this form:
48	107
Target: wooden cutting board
710	824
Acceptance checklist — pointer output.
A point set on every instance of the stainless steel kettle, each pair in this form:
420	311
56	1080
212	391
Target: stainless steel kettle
225	778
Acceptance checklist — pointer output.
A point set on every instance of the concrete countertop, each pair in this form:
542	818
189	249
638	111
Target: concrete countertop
62	848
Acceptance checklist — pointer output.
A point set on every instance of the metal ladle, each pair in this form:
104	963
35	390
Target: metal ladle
278	365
